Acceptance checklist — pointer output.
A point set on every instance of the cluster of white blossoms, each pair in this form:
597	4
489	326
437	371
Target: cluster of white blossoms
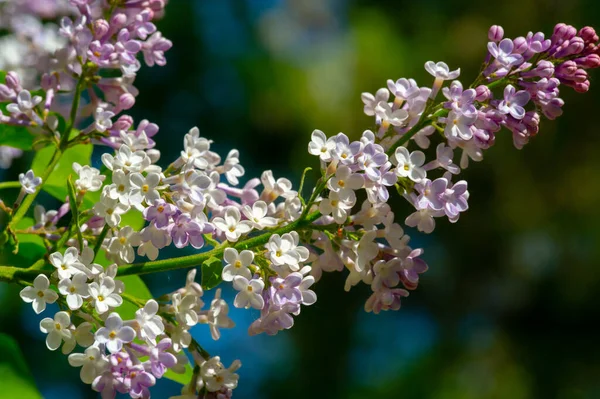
264	237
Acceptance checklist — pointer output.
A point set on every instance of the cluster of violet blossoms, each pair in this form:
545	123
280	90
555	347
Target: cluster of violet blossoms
265	237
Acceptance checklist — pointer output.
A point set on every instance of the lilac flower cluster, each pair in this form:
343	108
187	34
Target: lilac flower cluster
272	242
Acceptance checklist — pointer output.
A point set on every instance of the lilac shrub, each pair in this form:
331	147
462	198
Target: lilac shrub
265	237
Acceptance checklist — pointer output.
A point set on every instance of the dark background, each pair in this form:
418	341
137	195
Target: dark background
509	306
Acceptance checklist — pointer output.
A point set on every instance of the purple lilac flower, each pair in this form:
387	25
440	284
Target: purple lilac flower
503	53
513	102
187	230
286	290
160	213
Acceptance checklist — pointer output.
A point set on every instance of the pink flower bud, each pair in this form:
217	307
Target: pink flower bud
13	81
589	61
566	68
126	101
582	87
123	123
482	93
118	21
588	34
496	33
563	32
101	27
520	45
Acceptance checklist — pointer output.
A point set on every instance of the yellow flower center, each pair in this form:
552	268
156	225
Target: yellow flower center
112	335
145	188
100	298
237	264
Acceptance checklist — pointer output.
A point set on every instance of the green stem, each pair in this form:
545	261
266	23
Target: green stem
183	262
10	184
12	274
28	201
100	240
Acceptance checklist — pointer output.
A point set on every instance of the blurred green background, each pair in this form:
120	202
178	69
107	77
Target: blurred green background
509	306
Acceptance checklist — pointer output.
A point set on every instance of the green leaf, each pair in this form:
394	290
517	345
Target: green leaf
211	273
55	185
184	378
16	378
16	136
31	247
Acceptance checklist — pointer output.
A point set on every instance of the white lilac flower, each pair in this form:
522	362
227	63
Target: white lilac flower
389	116
423	219
237	264
231	224
275	188
74	289
403	89
232	168
91	269
57	330
458	125
121	247
114	334
29	181
92	363
217	316
371	100
345	181
68	264
25	104
104	296
214	376
90	178
366	249
184	308
103	120
120	188
39	294
410	164
150	324
440	72
127	160
338	206
257	215
250	293
320	146
111	210
144	188
444	157
191	286
284	250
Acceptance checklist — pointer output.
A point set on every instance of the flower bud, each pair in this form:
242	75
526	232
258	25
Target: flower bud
118	21
588	34
126	101
543	69
532	121
496	33
582	87
153	154
566	69
579	76
6	94
101	27
123	123
520	45
563	32
13	81
482	93
589	61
